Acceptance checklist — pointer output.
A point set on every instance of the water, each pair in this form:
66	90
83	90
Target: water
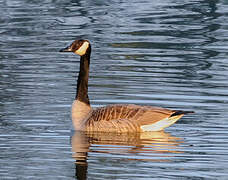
164	53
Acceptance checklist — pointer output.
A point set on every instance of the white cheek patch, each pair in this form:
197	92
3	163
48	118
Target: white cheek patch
82	50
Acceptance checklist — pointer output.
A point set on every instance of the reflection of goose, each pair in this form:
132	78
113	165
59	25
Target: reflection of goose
113	118
145	146
146	142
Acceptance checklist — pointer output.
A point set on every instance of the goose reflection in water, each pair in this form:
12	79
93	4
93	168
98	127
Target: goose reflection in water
155	146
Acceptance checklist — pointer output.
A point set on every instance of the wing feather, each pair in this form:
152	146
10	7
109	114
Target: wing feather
126	116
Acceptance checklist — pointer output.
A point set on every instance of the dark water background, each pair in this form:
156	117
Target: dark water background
165	53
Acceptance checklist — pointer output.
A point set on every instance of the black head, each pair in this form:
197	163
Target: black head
79	47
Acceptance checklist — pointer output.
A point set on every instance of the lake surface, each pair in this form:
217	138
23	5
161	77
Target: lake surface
163	53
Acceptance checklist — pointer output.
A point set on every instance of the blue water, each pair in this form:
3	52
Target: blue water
167	53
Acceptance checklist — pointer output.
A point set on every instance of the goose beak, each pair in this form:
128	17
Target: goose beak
67	49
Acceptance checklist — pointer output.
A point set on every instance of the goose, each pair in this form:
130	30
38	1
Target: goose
118	118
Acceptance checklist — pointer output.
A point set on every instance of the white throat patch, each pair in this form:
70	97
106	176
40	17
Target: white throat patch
82	50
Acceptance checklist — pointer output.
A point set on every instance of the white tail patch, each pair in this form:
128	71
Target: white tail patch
82	50
162	124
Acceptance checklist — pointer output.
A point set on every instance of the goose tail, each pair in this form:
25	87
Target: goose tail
177	113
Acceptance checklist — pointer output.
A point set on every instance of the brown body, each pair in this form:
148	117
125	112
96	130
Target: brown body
113	118
122	118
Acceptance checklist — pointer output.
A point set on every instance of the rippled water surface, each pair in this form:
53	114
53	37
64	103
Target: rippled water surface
164	53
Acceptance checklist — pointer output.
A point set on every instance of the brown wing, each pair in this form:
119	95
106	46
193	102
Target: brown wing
125	117
115	112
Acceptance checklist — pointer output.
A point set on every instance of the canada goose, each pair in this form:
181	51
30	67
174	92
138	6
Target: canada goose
113	118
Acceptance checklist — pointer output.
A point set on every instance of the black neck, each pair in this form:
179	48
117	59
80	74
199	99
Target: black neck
82	85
